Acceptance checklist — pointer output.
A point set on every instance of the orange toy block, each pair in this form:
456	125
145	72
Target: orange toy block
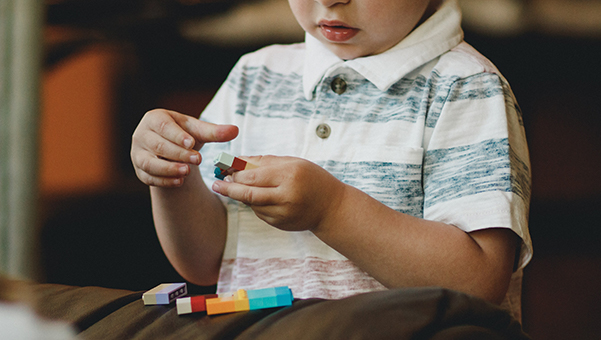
228	303
221	305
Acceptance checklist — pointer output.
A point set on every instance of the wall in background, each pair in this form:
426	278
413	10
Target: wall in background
77	138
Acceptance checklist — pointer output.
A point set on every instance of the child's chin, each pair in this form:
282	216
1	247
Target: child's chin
347	51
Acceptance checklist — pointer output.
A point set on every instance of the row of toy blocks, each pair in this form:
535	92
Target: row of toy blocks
238	301
164	293
226	164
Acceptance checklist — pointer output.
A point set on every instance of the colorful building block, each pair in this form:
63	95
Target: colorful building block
193	304
269	297
164	293
241	301
224	161
228	303
227	164
220	173
283	296
221	305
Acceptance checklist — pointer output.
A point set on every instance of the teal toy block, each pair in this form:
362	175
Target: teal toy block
284	296
269	297
219	173
262	298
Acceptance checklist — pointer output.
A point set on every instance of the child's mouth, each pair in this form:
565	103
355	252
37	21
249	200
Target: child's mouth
337	32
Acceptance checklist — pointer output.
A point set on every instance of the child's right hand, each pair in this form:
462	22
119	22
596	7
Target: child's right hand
165	145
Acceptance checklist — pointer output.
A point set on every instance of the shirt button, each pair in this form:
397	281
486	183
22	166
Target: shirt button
323	131
338	85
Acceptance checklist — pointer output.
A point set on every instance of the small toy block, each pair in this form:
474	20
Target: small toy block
283	296
269	297
221	305
164	293
261	298
238	164
220	174
193	304
227	164
224	161
241	301
228	303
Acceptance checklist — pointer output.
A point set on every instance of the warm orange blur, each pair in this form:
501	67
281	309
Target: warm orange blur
76	124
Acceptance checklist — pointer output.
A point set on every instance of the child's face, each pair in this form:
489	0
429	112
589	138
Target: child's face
358	28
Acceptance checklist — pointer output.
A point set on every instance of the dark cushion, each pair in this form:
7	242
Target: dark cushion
415	313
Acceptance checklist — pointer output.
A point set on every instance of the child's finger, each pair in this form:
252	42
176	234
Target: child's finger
157	181
252	196
257	177
155	166
205	132
261	161
170	127
166	149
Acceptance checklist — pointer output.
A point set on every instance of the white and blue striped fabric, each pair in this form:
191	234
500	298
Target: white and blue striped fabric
429	128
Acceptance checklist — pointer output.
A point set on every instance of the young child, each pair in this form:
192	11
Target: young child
394	156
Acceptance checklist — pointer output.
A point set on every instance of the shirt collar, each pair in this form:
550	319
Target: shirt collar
437	35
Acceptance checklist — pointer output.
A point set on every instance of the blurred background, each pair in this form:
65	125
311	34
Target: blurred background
76	76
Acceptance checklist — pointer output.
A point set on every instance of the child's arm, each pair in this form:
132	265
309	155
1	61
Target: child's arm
396	249
190	220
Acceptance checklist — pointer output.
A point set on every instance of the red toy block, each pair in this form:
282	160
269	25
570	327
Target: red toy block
238	164
193	304
199	302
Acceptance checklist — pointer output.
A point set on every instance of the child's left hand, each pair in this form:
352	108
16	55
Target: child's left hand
289	193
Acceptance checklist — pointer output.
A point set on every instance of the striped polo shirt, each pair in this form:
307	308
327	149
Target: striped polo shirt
429	128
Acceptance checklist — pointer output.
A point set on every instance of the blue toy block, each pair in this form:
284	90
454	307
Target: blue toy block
283	296
269	297
262	298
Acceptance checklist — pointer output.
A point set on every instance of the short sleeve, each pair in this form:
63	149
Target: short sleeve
476	163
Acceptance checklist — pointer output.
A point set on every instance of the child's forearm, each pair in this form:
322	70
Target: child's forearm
191	226
396	249
402	251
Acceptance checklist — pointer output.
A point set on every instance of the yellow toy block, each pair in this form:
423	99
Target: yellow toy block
241	301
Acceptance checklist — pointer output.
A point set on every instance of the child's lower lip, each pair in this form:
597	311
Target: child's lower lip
337	33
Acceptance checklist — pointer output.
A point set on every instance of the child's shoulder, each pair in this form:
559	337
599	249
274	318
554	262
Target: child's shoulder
276	57
463	60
